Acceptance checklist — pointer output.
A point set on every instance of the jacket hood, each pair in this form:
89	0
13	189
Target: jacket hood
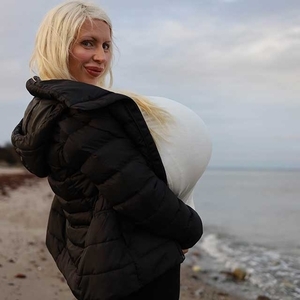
31	137
73	94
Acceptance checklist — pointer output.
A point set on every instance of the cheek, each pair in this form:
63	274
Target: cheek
80	55
108	58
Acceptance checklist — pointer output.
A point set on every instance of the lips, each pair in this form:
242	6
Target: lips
94	71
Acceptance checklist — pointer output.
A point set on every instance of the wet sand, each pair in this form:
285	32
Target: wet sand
27	271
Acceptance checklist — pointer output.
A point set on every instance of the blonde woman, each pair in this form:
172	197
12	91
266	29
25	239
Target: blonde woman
118	165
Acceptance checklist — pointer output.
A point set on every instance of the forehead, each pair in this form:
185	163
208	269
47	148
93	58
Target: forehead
95	27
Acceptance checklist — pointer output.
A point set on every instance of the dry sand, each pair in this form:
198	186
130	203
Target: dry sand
27	271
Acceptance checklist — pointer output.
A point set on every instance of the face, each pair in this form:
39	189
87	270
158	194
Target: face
90	54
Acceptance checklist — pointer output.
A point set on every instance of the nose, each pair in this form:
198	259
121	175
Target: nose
100	55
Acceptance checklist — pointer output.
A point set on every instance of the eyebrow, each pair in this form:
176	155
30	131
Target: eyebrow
93	38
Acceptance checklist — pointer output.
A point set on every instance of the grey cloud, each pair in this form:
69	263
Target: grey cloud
235	63
237	57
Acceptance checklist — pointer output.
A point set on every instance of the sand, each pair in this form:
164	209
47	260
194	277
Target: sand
27	271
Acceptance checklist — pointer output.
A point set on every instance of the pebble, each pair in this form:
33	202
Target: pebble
197	254
196	268
223	294
20	275
239	274
198	292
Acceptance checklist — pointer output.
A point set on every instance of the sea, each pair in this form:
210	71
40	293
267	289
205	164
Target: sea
252	222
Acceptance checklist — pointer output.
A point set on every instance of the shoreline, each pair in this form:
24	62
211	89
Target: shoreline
194	286
28	270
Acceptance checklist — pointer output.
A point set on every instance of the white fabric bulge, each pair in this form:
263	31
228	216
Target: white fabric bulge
186	149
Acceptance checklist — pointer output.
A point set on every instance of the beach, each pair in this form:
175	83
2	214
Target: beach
27	270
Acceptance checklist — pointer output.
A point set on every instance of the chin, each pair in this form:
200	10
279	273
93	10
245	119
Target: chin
93	81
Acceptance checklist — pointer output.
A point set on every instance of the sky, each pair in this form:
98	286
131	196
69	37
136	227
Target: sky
236	63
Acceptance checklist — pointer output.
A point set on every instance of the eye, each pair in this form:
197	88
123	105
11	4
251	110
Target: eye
87	43
106	46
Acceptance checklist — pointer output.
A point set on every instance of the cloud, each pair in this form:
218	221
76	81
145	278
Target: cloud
261	56
257	56
236	63
289	137
12	80
228	1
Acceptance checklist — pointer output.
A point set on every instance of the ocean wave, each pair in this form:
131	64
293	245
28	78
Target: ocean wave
274	273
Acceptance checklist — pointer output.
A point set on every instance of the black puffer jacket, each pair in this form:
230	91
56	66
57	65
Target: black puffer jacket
114	224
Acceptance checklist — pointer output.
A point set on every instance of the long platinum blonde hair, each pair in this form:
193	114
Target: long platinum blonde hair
54	38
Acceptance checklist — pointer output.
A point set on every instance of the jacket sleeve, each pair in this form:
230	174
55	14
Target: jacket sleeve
31	136
129	185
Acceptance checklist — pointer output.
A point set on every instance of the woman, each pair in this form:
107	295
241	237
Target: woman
115	229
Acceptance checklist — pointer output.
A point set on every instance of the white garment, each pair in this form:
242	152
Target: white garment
187	149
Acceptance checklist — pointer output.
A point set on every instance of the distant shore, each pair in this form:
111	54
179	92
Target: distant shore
28	272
